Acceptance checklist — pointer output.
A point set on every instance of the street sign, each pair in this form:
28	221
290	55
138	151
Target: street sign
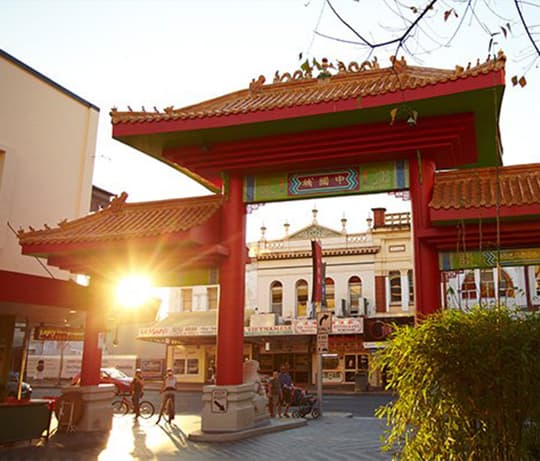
219	401
322	343
324	322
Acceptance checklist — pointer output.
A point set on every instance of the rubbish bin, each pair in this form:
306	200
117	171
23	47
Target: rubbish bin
361	382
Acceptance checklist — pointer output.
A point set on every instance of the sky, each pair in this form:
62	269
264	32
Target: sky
116	53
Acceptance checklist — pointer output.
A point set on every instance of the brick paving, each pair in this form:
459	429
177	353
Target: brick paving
333	437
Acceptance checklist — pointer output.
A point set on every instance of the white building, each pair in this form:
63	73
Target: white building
368	286
47	151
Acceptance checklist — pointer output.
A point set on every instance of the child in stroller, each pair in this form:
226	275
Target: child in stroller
304	403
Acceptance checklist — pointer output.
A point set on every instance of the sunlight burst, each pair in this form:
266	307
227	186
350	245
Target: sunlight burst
133	291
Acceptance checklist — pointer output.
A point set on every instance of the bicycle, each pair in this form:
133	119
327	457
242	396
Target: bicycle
167	409
124	405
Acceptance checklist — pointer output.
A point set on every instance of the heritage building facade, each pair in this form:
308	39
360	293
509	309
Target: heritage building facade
368	286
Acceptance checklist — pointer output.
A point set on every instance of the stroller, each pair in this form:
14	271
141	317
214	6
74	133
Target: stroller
304	403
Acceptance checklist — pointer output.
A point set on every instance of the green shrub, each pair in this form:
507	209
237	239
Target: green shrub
468	387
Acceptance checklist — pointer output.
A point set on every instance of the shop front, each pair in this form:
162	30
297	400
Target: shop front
346	358
195	363
191	350
289	350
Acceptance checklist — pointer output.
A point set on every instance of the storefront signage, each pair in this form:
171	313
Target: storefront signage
347	325
269	330
340	326
305	327
58	334
171	332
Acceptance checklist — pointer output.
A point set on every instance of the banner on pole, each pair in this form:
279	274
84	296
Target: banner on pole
316	254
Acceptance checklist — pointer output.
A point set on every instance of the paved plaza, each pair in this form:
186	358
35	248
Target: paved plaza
335	436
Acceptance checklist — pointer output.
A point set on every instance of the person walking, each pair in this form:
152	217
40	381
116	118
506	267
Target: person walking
136	388
286	388
168	390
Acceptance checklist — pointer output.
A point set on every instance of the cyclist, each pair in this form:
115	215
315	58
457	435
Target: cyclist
136	388
168	389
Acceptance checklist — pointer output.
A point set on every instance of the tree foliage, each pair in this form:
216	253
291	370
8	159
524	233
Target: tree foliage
468	387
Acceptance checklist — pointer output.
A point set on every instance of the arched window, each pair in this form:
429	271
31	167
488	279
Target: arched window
329	294
276	293
301	298
355	293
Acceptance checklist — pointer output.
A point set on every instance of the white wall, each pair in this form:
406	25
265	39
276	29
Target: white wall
288	272
47	150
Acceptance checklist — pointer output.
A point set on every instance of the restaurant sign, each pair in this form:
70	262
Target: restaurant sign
348	325
340	326
271	330
58	334
172	332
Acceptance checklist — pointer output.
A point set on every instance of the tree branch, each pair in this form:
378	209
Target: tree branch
526	27
398	40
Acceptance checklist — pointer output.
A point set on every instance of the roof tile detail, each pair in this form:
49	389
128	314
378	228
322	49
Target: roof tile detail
292	92
122	220
483	187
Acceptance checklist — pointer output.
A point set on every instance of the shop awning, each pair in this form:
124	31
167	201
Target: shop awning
179	326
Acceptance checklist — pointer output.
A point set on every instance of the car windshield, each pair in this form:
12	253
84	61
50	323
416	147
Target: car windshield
115	373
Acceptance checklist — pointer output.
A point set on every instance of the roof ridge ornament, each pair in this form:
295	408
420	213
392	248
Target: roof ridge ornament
354	67
256	86
325	67
118	202
398	65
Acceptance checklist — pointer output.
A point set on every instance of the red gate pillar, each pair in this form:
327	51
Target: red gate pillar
426	262
230	335
91	357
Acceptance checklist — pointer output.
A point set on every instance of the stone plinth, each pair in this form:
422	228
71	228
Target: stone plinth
97	411
230	408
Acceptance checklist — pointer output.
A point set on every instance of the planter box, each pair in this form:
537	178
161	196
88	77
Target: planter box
24	420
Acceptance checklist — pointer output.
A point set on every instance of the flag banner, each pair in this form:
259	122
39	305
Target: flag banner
323	287
316	254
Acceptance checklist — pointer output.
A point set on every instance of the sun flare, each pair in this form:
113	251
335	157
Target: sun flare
133	291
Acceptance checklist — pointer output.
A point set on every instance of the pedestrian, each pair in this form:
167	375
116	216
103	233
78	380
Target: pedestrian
286	388
168	390
274	395
40	368
136	388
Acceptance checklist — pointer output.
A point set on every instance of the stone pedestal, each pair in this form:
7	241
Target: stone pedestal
97	411
232	408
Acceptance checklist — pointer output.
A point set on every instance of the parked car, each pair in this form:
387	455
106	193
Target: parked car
110	376
13	382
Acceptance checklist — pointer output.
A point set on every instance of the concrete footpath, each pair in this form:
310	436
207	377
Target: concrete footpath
334	436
